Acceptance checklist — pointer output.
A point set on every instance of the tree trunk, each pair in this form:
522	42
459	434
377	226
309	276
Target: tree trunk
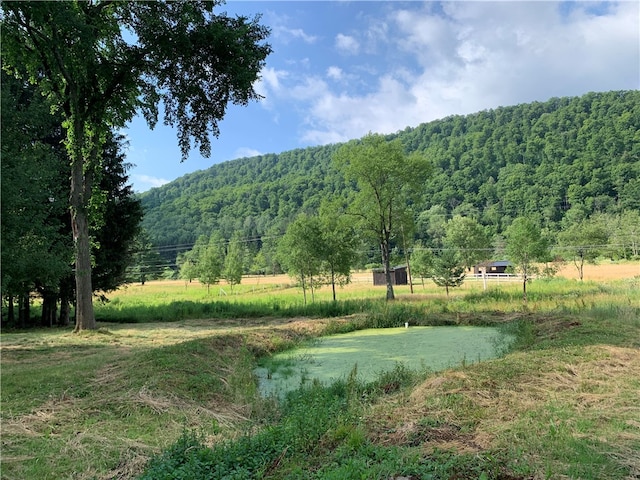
406	256
409	276
64	318
81	185
49	308
11	316
581	266
66	295
333	284
384	248
85	319
24	311
304	289
312	287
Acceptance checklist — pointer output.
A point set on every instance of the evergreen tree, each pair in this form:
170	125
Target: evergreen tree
35	243
145	261
81	57
447	270
115	219
187	266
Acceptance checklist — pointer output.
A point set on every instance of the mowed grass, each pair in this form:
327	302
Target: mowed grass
563	404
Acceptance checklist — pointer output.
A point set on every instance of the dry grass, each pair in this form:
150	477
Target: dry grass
362	283
599	272
127	414
492	406
127	410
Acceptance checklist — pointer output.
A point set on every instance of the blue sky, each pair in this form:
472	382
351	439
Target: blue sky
340	69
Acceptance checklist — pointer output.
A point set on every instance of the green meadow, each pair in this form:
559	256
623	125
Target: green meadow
166	388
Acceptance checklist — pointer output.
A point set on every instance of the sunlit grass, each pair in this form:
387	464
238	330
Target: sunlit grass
172	301
100	404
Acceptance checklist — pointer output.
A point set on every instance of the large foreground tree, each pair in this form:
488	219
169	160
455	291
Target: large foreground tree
36	228
101	62
388	181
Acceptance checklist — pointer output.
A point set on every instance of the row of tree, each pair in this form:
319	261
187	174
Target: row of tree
37	248
322	248
212	259
98	64
557	161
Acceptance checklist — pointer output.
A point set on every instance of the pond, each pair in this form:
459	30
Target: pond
377	350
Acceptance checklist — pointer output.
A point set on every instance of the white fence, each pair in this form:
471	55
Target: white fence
495	277
362	277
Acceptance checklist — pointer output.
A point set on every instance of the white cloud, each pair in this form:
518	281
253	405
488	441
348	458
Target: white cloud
377	33
145	182
475	56
269	85
297	33
271	77
428	37
246	152
347	44
281	30
310	90
339	117
335	73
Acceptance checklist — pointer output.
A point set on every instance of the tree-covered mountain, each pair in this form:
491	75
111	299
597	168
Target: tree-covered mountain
567	157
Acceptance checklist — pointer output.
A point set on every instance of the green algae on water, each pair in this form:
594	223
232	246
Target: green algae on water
374	351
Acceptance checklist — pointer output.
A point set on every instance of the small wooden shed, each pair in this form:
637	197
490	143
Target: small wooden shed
398	276
495	267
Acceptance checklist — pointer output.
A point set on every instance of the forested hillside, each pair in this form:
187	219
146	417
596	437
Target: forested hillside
567	157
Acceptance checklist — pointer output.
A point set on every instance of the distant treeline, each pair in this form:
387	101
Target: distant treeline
563	160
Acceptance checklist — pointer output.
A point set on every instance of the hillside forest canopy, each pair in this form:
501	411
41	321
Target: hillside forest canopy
569	166
560	163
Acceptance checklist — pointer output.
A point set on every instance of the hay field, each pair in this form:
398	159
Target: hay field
602	271
599	272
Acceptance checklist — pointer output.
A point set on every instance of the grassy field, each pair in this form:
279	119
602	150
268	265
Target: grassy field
173	395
